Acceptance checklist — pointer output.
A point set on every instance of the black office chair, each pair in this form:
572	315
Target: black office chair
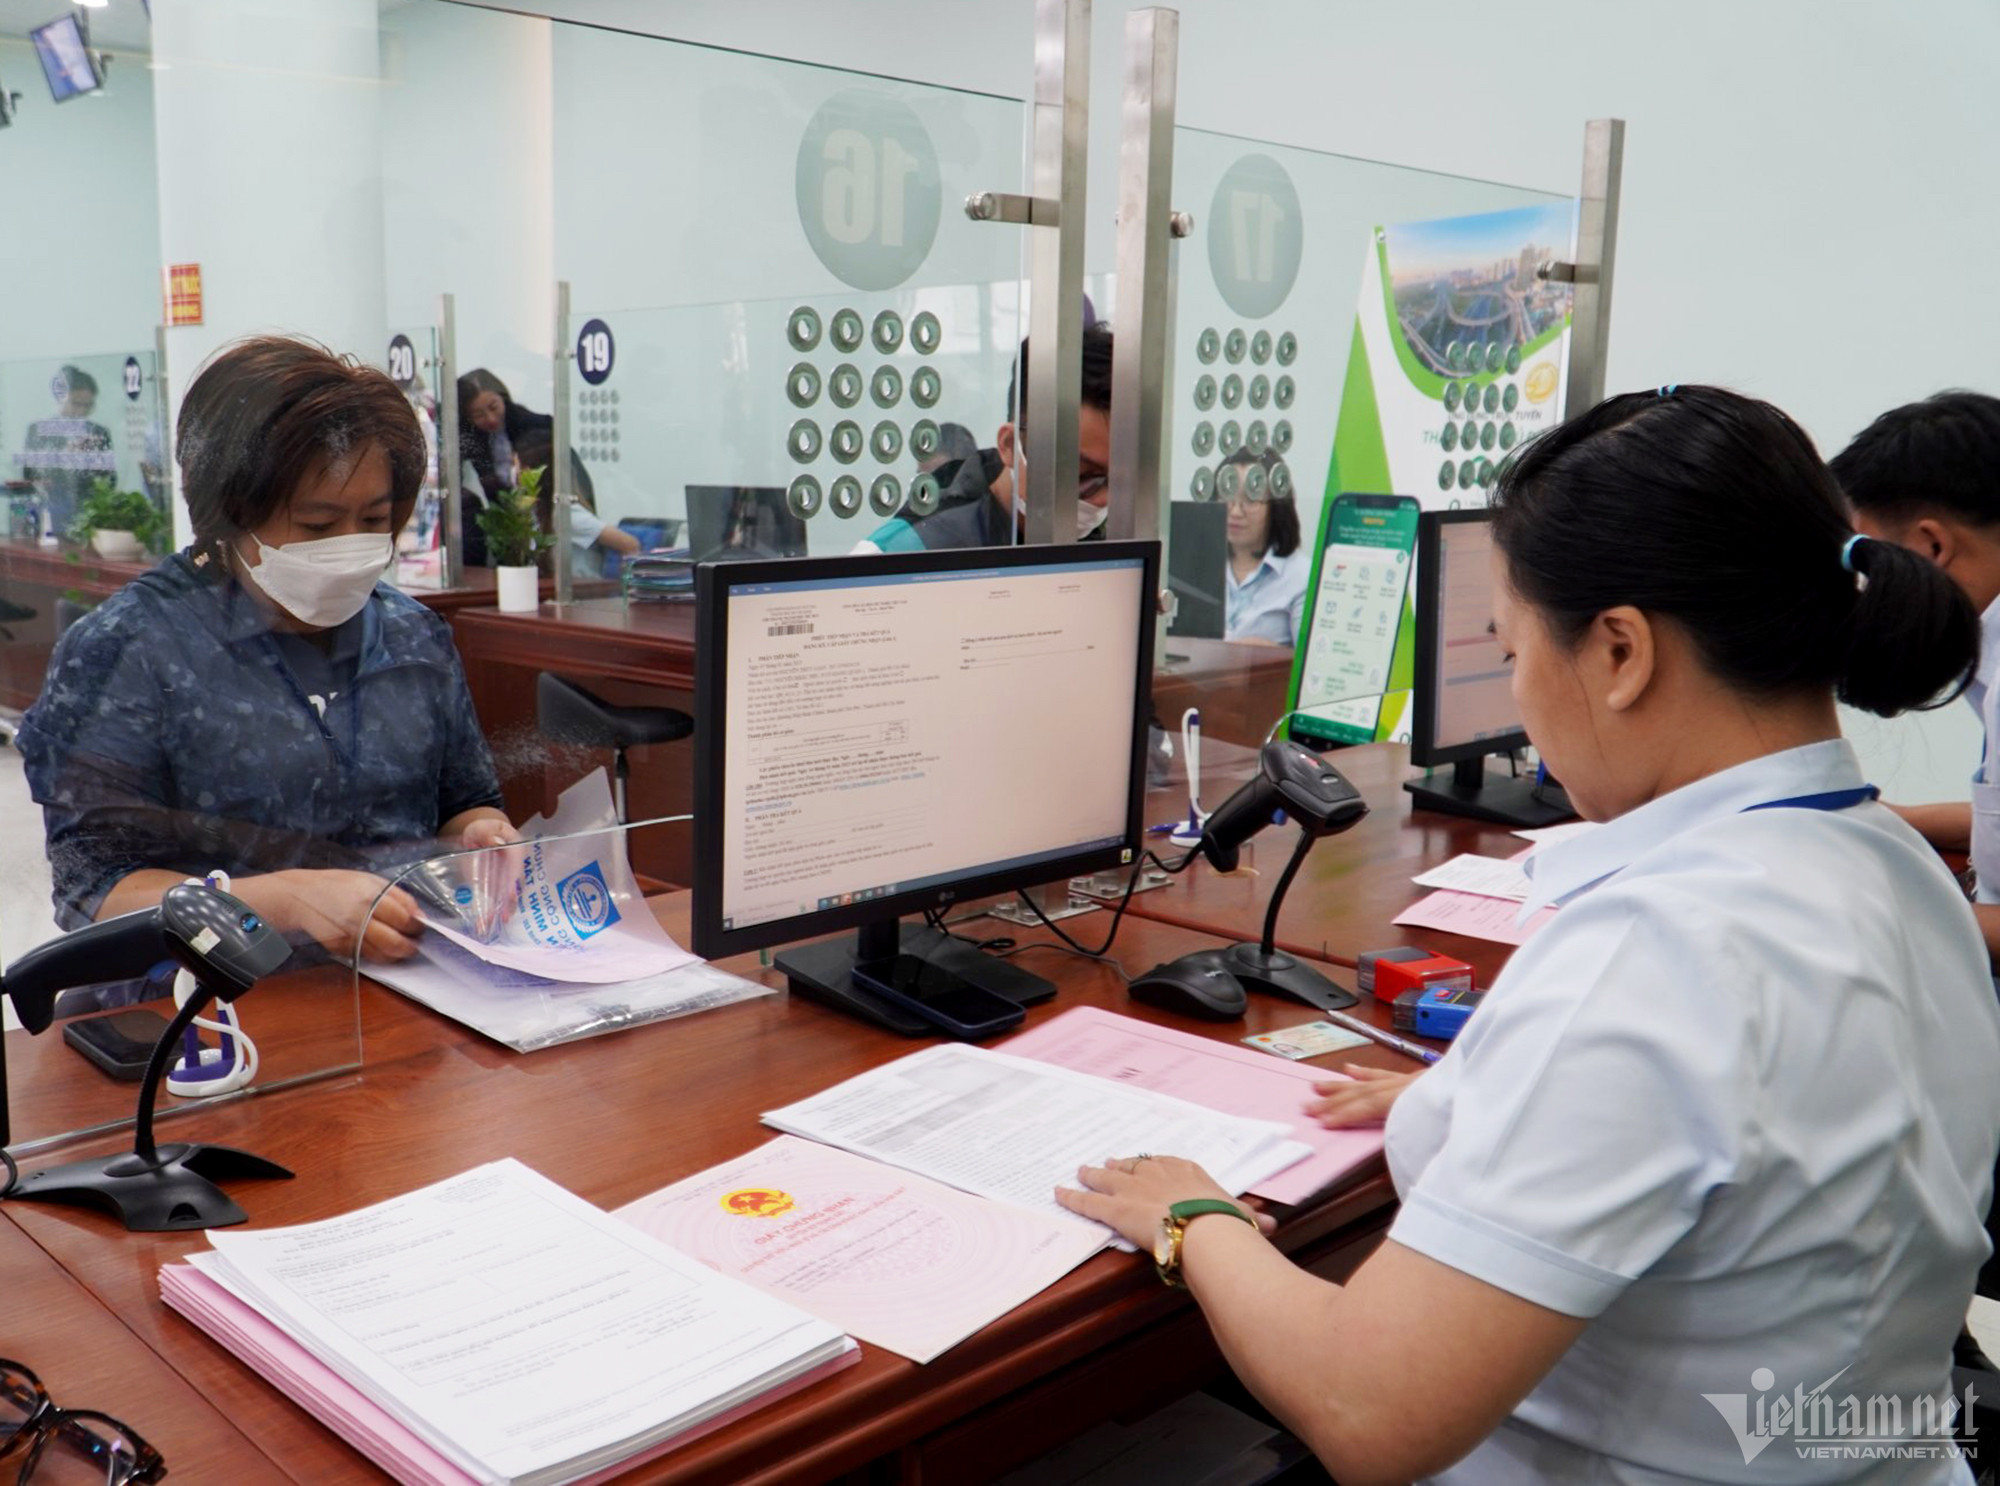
566	713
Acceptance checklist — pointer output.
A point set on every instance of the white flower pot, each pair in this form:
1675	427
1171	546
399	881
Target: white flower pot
116	546
520	590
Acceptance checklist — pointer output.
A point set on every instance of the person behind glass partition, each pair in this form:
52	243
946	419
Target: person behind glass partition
1265	587
590	536
65	453
260	703
976	505
490	424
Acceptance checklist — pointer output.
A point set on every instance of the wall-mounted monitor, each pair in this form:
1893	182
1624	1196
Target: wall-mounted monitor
67	60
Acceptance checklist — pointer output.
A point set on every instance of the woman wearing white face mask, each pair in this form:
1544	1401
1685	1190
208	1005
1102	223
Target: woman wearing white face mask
259	703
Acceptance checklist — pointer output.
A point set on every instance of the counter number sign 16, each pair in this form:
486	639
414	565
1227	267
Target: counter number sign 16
868	188
596	351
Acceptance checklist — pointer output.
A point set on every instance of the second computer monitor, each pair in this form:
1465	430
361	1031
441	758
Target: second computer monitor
1464	706
1197	557
734	523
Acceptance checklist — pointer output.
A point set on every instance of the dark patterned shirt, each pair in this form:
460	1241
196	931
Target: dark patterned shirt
173	732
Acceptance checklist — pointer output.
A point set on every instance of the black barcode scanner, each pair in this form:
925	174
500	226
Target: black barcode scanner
228	948
1292	783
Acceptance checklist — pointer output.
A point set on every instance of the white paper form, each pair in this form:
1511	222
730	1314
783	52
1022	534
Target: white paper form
1014	1130
1489	877
524	1333
891	1257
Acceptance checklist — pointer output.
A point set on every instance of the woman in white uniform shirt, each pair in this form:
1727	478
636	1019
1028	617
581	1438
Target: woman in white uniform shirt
1726	1127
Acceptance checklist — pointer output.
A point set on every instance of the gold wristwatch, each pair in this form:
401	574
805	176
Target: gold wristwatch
1167	1247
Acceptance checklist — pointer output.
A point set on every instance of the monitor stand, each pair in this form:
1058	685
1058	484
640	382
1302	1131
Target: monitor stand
1509	802
823	972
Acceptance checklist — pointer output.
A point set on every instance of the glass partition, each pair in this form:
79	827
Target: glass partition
553	938
1341	326
792	340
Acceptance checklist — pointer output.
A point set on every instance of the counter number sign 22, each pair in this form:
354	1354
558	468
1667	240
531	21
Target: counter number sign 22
596	351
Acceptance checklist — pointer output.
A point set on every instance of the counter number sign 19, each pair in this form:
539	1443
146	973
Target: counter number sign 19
402	362
868	188
135	378
596	351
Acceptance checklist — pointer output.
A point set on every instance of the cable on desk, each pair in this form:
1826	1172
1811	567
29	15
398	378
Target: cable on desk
13	1172
1116	967
936	919
1117	916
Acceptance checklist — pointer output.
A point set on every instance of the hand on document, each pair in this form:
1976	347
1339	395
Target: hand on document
1132	1194
1362	1098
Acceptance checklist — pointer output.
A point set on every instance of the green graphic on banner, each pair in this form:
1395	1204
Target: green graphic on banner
1453	321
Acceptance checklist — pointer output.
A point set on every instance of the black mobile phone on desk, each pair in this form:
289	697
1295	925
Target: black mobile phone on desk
941	997
119	1043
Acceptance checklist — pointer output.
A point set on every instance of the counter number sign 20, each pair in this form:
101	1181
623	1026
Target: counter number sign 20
596	351
402	362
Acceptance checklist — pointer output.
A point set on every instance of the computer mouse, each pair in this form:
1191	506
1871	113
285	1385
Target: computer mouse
1197	985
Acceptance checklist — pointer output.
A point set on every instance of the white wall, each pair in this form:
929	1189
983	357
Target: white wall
269	136
79	261
468	131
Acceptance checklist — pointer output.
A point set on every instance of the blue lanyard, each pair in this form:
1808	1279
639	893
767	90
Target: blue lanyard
1833	799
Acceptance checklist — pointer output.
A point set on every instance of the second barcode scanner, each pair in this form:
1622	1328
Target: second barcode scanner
1292	784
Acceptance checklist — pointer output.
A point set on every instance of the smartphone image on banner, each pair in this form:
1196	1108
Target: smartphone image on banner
1348	651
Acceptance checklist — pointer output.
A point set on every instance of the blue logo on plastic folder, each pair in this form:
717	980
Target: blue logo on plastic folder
587	901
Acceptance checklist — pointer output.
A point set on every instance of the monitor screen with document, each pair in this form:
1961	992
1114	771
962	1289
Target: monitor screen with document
889	733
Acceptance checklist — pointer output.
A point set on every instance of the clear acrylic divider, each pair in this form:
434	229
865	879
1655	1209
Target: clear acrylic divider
297	1026
553	938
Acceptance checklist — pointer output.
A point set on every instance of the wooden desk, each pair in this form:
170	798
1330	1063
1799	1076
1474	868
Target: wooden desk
1351	885
36	576
617	1117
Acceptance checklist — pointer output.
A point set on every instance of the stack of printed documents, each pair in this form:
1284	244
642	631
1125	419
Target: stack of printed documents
497	1328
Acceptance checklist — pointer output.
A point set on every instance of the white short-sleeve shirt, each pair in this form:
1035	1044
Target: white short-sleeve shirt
1738	1105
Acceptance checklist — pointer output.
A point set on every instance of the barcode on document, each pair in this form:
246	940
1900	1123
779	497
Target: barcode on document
790	629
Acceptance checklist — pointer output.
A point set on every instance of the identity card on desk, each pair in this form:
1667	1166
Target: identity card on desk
1218	1074
1014	1129
893	1258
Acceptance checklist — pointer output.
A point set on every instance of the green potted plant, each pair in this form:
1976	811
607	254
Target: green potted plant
514	539
121	525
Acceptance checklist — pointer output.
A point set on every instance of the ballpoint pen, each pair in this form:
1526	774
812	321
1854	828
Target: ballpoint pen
1387	1039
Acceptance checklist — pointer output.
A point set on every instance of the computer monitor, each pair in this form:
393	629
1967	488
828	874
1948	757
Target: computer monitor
1197	554
894	733
66	58
1464	703
740	523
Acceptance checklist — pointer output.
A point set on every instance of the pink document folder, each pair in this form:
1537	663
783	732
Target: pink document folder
363	1423
1202	1070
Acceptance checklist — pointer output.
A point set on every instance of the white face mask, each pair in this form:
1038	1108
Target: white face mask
325	582
1089	518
